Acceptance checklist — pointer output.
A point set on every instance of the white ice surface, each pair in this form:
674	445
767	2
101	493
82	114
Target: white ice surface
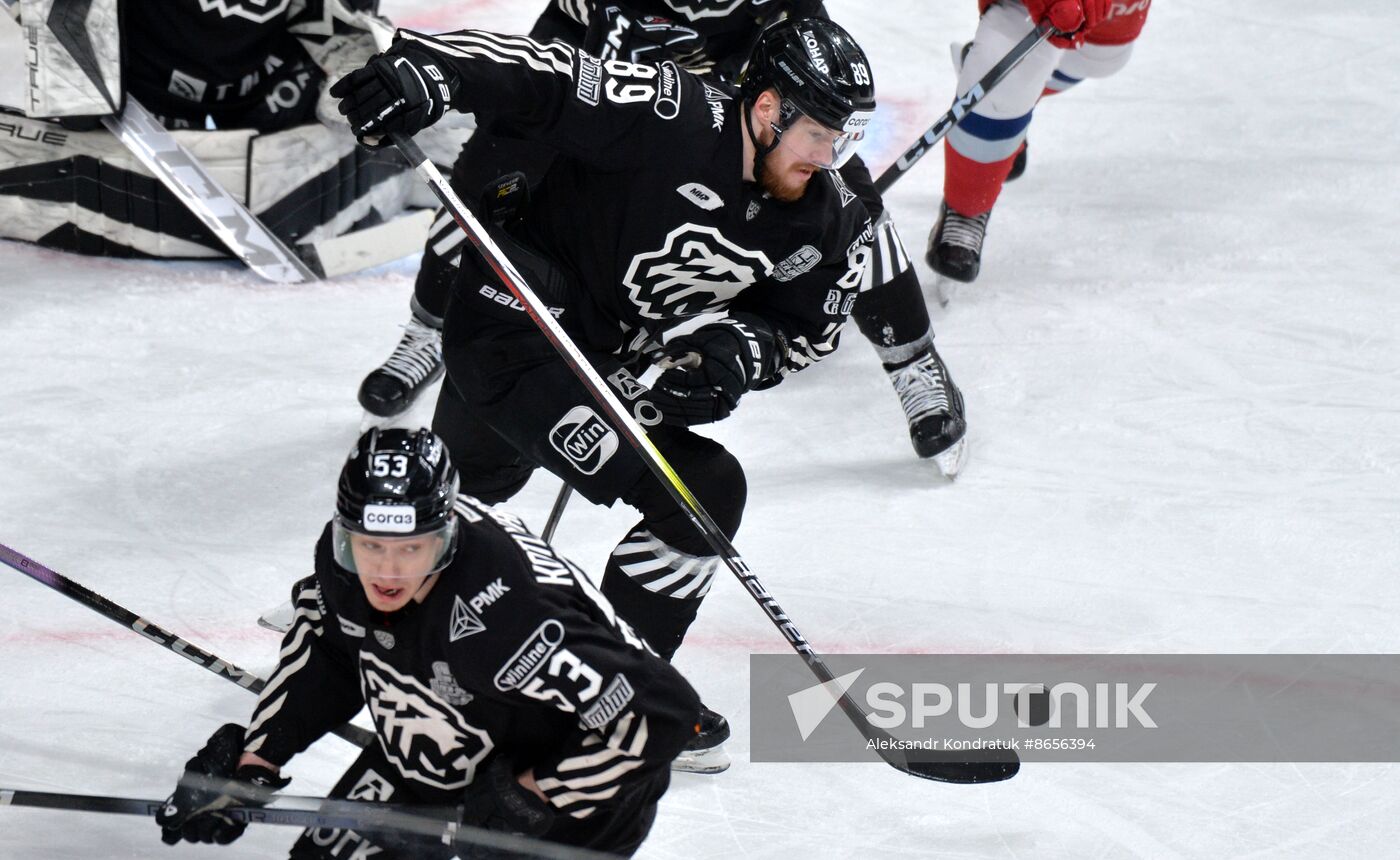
1182	372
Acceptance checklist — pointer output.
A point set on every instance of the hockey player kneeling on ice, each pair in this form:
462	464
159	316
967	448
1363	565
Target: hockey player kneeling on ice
242	83
498	678
686	225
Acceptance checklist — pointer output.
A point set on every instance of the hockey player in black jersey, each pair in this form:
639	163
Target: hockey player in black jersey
711	37
685	224
497	677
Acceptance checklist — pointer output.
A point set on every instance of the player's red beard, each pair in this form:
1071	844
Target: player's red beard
786	183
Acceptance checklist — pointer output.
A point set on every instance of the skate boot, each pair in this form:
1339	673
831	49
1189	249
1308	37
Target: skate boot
955	244
415	364
705	752
934	407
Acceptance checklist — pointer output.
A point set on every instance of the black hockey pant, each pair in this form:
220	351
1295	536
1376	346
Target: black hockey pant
511	404
617	829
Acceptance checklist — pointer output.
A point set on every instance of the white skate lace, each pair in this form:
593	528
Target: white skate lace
418	354
963	231
921	389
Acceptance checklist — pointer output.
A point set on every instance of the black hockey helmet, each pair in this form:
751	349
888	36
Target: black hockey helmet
817	69
396	484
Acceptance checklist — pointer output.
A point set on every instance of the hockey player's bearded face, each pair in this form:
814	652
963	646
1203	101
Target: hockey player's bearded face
392	570
800	153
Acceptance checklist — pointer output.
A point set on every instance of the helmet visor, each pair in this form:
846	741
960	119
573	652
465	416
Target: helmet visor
812	142
391	556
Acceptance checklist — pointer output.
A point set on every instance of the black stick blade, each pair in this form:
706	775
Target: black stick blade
961	768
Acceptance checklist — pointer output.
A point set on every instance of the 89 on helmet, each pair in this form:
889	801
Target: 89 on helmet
821	73
394	514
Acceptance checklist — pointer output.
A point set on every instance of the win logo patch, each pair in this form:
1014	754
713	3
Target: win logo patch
584	439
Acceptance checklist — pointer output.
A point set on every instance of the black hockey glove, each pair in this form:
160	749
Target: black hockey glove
405	89
617	33
496	800
712	367
192	812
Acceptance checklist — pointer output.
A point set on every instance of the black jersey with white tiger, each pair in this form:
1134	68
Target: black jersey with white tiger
512	652
646	213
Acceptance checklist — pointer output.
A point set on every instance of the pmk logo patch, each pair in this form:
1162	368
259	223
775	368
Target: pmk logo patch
584	439
391	519
258	11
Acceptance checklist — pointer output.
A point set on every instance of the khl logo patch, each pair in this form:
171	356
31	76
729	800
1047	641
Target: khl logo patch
584	439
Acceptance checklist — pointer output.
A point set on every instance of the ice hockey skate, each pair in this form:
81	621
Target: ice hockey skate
415	364
955	250
705	753
933	406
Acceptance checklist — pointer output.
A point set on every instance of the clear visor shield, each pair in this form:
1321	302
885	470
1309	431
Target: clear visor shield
390	556
811	142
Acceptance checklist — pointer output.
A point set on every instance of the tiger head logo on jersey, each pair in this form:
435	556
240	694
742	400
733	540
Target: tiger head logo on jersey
694	10
257	11
423	735
695	272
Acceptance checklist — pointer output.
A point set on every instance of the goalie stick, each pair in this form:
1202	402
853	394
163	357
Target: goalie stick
159	635
962	106
986	765
315	813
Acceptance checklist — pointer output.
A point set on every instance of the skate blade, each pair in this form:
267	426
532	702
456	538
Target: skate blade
955	50
712	760
951	461
278	618
944	289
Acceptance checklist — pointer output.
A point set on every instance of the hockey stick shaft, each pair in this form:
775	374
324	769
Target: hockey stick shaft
557	512
637	437
438	823
962	106
157	634
184	176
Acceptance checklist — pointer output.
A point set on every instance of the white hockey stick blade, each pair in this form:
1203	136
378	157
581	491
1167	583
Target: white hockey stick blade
230	221
373	246
712	760
278	618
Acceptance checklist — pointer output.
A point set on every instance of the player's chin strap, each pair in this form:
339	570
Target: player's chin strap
760	151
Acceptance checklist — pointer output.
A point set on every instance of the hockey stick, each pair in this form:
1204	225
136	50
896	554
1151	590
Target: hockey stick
962	105
993	764
159	635
557	512
439	823
181	173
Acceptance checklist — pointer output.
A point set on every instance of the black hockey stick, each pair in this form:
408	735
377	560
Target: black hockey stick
557	512
989	766
962	105
159	635
439	823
